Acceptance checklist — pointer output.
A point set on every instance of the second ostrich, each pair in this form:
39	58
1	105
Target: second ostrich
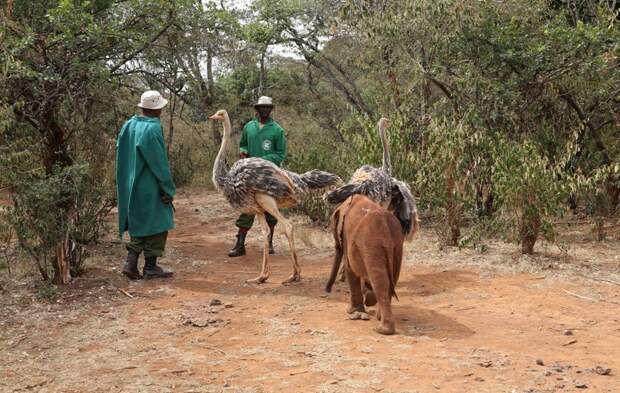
257	186
379	185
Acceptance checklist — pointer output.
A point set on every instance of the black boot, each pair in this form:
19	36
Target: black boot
152	270
131	266
239	248
271	251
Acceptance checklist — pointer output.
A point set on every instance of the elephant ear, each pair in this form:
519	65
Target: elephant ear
336	222
335	227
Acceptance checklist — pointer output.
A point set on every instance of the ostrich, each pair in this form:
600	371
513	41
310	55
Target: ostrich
258	186
379	185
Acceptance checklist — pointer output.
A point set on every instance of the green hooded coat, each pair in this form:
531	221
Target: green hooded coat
142	175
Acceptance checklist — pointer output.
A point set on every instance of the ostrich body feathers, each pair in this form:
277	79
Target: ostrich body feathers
255	175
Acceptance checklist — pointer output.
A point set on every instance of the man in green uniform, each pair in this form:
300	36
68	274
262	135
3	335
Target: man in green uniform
145	188
264	138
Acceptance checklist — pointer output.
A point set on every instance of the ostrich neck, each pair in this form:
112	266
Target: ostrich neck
387	165
219	167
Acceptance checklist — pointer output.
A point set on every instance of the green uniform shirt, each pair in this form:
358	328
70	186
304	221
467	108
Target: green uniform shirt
142	174
268	142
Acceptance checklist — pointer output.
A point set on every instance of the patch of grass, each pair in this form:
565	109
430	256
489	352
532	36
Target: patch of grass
47	291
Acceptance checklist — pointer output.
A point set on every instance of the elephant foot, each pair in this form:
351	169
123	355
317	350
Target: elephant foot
370	299
257	280
294	278
385	329
354	309
358	315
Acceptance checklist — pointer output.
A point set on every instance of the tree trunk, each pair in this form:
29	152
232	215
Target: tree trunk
173	105
55	144
62	265
613	195
56	156
453	221
528	232
453	209
210	81
261	76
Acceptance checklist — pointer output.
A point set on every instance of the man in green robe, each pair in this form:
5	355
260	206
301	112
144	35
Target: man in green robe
261	137
145	188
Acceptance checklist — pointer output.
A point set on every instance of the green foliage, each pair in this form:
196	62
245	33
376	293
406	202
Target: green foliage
500	111
182	164
309	152
47	291
7	240
449	163
58	61
530	189
69	207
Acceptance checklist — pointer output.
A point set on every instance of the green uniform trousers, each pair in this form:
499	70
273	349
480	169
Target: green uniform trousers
245	221
153	246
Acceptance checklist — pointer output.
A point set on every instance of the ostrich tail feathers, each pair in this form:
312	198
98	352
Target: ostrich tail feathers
340	194
405	225
414	226
316	179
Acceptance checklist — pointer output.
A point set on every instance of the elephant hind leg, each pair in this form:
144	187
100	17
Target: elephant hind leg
381	286
355	287
384	314
369	295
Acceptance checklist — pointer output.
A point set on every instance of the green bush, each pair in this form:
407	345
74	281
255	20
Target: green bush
317	152
7	239
182	164
66	209
531	190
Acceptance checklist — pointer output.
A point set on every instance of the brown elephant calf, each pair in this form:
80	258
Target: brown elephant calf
371	240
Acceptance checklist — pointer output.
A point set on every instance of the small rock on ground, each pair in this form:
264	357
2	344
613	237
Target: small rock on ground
600	370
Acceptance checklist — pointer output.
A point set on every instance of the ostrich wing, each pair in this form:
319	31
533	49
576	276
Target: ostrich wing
404	207
374	183
259	175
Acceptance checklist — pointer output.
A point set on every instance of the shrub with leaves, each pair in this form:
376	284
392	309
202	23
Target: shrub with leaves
530	189
439	161
59	64
182	164
447	163
41	227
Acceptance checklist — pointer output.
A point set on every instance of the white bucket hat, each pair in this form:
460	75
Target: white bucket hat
264	101
152	99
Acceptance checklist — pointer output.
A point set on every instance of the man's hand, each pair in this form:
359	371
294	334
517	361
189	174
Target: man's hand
243	154
167	199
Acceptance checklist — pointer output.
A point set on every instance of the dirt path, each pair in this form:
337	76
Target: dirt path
460	329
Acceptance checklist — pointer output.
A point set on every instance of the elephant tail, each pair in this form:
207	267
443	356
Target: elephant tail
336	226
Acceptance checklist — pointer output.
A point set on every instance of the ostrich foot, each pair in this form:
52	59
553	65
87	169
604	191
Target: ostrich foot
386	329
295	277
359	315
257	280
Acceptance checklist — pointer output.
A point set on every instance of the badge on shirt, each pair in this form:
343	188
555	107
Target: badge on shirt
266	145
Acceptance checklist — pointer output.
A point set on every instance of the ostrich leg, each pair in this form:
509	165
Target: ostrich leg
270	206
265	270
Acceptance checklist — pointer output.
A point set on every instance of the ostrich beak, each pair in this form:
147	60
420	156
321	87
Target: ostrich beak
215	117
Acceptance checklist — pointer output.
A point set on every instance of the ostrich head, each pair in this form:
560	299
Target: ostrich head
383	123
220	115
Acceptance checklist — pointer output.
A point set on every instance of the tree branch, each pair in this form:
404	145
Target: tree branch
570	100
141	49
